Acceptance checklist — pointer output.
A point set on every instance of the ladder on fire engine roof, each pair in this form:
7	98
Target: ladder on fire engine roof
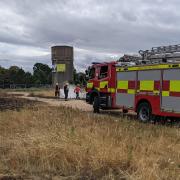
162	54
157	55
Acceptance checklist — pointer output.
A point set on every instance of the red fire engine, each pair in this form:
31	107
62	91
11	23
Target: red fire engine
148	84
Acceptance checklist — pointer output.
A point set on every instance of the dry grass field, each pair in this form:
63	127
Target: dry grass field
46	93
32	92
42	142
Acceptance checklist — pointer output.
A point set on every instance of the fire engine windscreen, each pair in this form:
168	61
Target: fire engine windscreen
92	73
103	72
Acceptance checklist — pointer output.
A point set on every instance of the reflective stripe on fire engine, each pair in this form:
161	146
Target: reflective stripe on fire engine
175	86
89	85
136	68
111	90
156	92
122	85
165	93
128	87
131	91
171	88
103	84
146	85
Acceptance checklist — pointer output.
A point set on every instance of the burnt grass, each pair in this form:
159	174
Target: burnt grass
11	102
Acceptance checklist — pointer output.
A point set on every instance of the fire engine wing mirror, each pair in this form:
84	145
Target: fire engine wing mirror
87	75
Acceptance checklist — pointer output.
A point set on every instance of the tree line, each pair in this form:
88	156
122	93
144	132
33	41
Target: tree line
41	75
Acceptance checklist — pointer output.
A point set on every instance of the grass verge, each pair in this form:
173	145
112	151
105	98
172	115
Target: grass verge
62	142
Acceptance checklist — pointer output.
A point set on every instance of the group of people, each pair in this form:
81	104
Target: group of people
77	90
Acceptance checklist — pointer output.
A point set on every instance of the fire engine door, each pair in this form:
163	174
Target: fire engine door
103	78
126	89
171	90
149	82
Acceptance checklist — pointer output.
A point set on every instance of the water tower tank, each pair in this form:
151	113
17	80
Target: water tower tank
62	62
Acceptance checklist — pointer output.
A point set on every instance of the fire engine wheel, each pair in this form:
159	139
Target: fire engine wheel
96	104
144	112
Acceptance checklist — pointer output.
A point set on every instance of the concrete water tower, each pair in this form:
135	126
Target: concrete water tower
62	62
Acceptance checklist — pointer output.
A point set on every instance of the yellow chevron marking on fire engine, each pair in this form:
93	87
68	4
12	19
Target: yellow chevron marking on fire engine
103	84
131	91
136	68
165	93
89	85
122	85
175	86
147	85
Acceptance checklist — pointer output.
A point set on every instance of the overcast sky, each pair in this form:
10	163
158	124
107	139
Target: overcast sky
99	30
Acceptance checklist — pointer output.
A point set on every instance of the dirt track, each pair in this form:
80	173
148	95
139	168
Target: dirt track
75	104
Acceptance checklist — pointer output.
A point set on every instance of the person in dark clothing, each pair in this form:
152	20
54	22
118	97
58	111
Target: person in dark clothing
57	89
66	91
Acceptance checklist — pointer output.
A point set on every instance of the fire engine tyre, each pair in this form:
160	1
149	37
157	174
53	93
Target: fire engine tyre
144	112
96	104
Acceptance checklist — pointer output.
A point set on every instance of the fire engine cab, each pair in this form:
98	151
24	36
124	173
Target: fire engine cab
148	84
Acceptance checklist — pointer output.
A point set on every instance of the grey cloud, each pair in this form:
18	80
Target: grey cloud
24	62
100	26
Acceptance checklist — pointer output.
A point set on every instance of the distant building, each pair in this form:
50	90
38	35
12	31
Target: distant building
62	62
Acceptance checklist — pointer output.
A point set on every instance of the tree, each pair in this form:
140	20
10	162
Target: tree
42	73
3	75
75	77
20	76
28	78
12	72
79	78
16	75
